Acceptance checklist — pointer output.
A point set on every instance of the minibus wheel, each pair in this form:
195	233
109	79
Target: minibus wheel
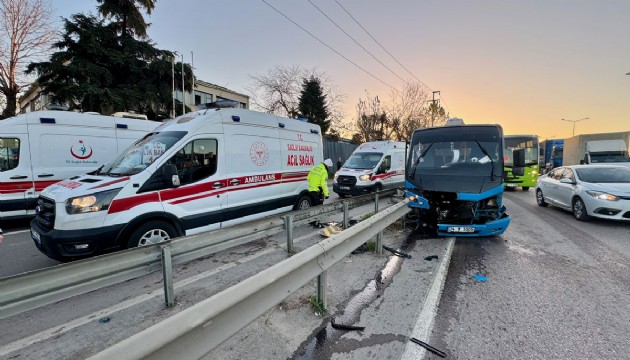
152	232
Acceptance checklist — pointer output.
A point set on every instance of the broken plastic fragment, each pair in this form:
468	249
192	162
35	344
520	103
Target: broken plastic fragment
104	320
429	258
480	278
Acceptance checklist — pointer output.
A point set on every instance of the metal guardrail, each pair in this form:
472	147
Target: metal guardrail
195	331
38	288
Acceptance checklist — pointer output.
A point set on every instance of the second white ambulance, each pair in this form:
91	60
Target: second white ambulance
201	171
373	166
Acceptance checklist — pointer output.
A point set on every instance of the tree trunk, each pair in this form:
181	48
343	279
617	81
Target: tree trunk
11	107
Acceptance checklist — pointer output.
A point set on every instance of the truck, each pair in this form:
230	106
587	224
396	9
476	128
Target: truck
40	148
603	148
373	166
454	182
550	154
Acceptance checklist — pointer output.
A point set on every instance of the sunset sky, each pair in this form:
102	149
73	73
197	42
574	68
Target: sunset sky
522	64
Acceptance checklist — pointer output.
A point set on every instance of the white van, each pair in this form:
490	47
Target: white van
201	171
373	166
40	148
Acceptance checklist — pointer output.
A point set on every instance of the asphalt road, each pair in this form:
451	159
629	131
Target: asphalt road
556	289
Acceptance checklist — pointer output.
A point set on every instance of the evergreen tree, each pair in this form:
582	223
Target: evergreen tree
127	16
98	68
312	104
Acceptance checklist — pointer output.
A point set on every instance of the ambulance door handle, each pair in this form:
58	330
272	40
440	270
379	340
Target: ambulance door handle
18	177
217	185
234	182
45	175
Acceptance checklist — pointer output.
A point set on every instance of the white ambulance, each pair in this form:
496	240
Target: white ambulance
373	166
40	148
201	171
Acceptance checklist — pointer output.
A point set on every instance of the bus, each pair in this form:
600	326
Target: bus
529	176
453	180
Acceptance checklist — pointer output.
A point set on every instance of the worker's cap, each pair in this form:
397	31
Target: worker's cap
328	162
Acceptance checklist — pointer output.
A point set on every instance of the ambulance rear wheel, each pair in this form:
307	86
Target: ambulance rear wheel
152	232
304	202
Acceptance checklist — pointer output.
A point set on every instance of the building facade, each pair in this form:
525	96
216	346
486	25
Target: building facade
205	92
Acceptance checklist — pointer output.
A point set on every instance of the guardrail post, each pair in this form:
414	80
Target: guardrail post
288	221
346	220
379	236
167	274
322	282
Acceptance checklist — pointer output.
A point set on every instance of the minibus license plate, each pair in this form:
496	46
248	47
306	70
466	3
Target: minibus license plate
345	187
35	236
461	229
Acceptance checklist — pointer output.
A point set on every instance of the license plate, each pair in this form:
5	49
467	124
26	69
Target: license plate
461	229
344	187
35	235
511	185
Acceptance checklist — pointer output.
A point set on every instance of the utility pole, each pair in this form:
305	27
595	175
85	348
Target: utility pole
192	73
183	91
173	78
434	107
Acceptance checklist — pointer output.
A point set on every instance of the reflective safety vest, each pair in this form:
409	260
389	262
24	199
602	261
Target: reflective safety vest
318	177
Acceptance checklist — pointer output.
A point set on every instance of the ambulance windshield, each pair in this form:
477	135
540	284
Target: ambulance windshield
141	154
363	161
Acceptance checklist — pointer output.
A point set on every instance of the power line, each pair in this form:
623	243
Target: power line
390	54
356	42
328	46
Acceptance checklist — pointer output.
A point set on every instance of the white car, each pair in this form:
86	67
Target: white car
601	191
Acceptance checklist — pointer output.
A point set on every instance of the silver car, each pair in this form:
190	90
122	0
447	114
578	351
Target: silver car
601	191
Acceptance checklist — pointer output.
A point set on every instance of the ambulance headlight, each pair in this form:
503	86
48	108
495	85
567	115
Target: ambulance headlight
90	203
365	177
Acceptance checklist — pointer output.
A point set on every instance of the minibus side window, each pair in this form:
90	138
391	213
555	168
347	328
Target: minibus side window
196	161
9	153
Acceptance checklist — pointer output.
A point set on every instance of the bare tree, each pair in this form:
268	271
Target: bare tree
278	91
373	123
26	34
407	110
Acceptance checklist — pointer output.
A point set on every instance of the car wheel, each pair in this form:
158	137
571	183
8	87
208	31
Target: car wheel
525	188
304	202
540	199
378	187
152	232
342	196
579	210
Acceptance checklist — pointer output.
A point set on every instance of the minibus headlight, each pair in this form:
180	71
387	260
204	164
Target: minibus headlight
90	203
365	177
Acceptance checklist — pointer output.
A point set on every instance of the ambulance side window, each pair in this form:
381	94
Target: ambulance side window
196	161
9	153
385	165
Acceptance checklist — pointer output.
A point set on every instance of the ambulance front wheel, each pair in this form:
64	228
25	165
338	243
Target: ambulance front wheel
304	202
152	232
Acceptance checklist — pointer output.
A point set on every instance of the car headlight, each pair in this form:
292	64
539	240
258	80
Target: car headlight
90	203
365	177
602	195
336	176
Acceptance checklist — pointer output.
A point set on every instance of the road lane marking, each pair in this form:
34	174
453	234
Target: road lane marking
425	320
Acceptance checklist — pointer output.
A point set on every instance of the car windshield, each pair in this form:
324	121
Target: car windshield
604	174
363	161
142	154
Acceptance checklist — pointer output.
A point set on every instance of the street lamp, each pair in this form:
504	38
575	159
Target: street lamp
574	121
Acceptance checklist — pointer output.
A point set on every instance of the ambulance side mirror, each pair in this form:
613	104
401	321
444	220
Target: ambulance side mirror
170	176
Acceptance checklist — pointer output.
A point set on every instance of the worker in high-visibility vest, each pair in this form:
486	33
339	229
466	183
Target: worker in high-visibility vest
318	182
